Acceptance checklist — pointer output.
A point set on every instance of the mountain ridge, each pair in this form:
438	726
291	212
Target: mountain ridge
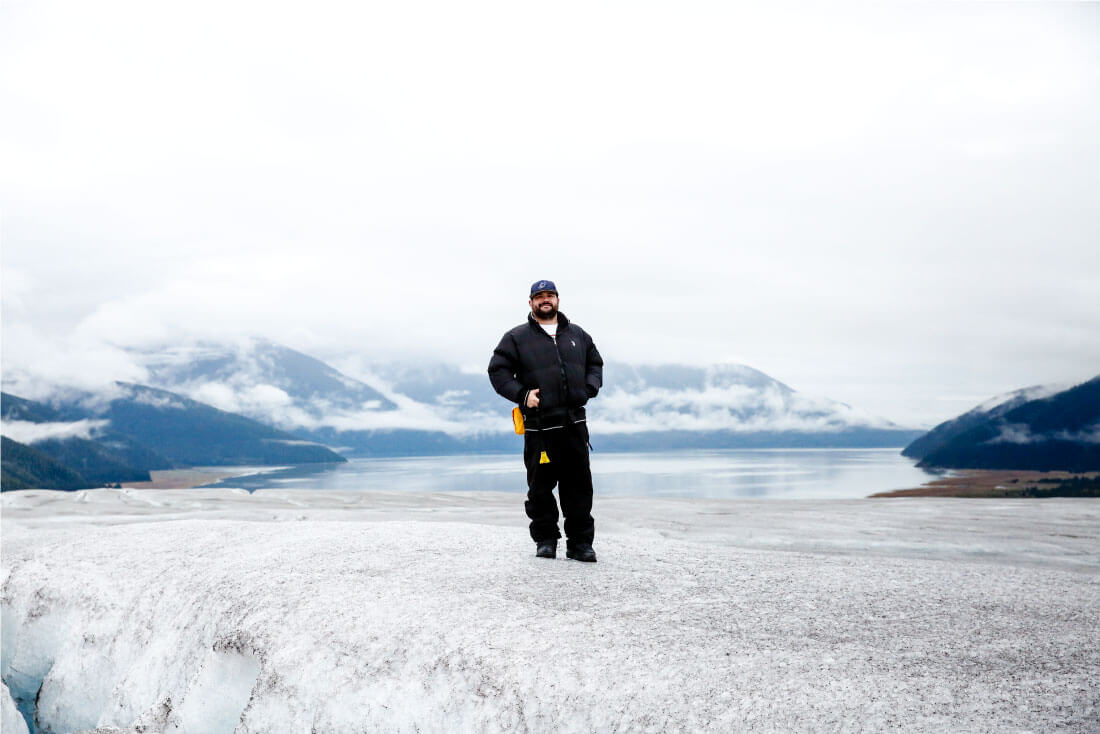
392	409
408	404
1060	430
122	435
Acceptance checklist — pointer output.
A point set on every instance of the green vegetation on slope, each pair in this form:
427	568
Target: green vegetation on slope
24	467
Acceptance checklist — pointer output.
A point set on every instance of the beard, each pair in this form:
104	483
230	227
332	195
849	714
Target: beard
545	311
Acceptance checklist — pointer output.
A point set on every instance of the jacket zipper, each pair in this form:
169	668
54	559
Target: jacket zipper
561	369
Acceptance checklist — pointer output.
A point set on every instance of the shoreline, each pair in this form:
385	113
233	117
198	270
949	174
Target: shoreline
195	476
969	483
986	483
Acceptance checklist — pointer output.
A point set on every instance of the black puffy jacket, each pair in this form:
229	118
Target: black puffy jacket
567	373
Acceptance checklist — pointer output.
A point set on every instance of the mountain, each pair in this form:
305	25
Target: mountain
94	461
261	380
14	408
726	397
392	408
991	410
187	432
122	435
109	458
24	467
1029	430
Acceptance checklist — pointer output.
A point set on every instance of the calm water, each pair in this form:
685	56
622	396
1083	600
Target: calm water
776	473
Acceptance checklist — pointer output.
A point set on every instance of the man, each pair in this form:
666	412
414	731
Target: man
550	368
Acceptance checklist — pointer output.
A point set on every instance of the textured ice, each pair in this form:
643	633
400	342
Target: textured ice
11	721
299	611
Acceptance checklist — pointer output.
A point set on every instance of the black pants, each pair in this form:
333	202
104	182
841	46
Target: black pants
567	448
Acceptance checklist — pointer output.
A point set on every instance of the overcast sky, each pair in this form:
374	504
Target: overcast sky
891	206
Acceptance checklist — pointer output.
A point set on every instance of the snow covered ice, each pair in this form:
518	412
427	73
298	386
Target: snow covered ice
296	611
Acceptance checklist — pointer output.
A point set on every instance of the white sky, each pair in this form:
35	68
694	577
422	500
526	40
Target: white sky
891	206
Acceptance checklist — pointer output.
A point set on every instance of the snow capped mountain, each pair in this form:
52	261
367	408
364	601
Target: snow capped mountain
724	397
352	406
1001	404
265	381
990	410
1037	428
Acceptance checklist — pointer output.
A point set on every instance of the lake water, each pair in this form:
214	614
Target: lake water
774	473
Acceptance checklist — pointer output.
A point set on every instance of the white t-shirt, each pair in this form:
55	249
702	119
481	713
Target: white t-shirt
551	329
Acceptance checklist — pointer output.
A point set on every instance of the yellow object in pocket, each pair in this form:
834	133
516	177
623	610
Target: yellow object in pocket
544	459
517	420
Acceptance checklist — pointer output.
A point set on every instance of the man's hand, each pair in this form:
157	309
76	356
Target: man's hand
533	398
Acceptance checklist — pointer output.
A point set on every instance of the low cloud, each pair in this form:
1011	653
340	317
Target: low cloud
1086	435
291	442
1015	433
271	404
735	408
237	398
159	401
409	414
1018	397
247	377
1019	433
36	366
31	433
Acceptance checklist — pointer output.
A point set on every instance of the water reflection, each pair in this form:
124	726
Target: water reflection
776	473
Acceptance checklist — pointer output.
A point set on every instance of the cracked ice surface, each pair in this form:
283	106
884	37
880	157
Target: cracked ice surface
288	611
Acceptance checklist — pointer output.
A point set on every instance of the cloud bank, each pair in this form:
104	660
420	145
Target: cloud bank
32	433
888	204
1019	433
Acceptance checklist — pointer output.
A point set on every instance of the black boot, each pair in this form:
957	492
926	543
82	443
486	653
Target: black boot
581	552
547	549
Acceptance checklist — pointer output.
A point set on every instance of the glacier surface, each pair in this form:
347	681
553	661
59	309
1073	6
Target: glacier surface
298	611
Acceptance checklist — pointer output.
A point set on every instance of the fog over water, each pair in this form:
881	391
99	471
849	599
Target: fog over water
713	474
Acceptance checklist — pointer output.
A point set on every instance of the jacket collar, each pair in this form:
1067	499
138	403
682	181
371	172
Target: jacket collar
563	322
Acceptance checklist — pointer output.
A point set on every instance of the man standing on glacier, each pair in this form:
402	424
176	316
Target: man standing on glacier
550	367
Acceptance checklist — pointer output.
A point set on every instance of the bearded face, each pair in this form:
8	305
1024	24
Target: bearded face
544	305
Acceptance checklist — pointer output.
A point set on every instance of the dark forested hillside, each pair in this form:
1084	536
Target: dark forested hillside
190	433
134	430
948	431
24	467
1059	432
14	408
93	461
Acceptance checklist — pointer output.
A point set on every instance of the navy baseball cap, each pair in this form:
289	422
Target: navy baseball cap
544	285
